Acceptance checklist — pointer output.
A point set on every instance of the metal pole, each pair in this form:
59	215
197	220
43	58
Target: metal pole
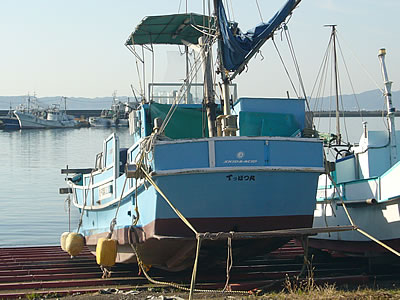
390	109
209	99
339	137
225	79
187	75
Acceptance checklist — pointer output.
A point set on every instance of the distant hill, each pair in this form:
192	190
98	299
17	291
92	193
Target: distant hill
369	101
73	103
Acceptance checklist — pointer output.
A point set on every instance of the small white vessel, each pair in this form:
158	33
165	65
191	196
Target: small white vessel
116	116
52	117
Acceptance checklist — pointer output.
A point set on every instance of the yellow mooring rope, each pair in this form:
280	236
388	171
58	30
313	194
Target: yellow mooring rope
181	287
179	214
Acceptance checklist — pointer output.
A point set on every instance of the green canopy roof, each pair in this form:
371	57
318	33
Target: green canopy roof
169	29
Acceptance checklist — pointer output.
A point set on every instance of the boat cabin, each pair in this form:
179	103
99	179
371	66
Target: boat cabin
256	116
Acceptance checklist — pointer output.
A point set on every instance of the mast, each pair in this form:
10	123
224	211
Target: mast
209	99
228	122
390	109
187	67
225	80
65	103
333	38
187	75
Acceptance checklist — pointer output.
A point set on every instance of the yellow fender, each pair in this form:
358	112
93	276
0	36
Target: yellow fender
74	243
63	240
106	252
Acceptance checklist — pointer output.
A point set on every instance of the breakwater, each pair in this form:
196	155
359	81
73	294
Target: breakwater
76	113
377	113
373	113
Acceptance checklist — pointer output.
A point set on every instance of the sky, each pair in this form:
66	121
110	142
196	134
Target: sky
76	48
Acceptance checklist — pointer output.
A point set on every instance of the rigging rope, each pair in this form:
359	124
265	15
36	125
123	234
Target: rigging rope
284	66
182	90
199	238
84	204
140	81
233	13
349	77
296	63
67	203
320	76
178	286
362	66
259	11
177	212
114	221
229	262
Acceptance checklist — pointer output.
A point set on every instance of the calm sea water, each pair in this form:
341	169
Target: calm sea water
32	212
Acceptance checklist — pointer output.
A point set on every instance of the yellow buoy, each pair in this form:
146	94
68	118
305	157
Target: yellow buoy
106	252
74	243
63	240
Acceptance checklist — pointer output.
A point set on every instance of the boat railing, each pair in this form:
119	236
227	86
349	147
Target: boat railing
167	93
98	165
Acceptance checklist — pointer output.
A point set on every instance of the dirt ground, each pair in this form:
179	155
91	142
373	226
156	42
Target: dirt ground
327	292
147	295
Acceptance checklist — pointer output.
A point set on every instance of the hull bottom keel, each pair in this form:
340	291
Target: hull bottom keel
354	248
174	253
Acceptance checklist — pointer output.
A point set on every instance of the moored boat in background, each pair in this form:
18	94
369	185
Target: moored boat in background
9	121
116	116
52	117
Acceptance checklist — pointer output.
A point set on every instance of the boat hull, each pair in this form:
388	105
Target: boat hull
30	121
106	122
243	207
381	220
176	254
9	123
100	122
237	184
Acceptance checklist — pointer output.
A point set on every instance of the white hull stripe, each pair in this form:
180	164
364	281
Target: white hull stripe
241	138
238	169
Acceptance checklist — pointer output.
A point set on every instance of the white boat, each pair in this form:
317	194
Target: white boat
116	116
52	117
361	189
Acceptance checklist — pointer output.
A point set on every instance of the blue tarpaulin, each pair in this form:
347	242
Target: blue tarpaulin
237	46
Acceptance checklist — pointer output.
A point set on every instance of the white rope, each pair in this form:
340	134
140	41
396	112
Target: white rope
114	221
229	262
259	11
84	204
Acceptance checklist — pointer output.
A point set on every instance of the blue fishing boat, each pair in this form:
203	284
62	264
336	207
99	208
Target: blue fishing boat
196	165
9	121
